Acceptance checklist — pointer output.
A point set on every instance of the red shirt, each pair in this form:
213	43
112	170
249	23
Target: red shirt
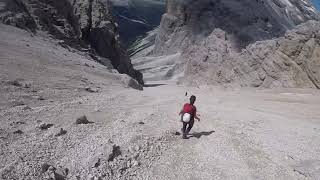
189	108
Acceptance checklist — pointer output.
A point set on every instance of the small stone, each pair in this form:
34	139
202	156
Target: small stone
123	166
45	126
90	177
66	171
17	103
15	83
91	90
18	132
26	108
97	164
96	109
129	164
135	156
19	122
131	149
61	132
82	120
27	85
115	153
289	157
135	163
44	167
41	98
137	147
51	168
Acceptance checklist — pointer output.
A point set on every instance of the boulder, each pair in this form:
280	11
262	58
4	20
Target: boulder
91	89
130	82
45	126
116	151
82	120
61	132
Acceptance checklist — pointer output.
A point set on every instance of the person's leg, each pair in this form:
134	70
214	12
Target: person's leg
190	126
184	134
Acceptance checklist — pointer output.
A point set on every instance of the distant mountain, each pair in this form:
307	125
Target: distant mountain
136	18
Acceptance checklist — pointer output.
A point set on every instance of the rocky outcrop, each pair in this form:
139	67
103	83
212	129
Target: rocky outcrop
246	21
14	12
289	61
131	83
143	46
84	24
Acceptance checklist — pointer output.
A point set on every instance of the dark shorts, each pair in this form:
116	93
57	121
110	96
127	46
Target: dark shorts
186	128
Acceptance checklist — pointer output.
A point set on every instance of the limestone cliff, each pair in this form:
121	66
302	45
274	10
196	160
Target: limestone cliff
84	24
259	43
245	21
289	61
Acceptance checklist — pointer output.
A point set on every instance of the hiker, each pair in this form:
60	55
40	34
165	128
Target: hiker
188	114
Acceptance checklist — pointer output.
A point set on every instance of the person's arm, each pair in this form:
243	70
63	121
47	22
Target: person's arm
181	112
197	117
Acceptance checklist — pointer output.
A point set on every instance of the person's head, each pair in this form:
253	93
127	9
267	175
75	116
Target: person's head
192	99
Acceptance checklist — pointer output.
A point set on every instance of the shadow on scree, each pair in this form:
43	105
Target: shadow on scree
153	85
200	134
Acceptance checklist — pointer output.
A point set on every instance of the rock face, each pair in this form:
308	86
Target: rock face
131	83
289	61
242	43
15	13
143	46
244	22
82	24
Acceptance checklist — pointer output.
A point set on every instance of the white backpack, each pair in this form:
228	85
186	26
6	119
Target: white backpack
186	117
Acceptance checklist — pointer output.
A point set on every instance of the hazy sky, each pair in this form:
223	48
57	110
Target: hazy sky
317	3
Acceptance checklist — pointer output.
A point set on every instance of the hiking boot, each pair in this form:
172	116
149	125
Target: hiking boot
184	136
